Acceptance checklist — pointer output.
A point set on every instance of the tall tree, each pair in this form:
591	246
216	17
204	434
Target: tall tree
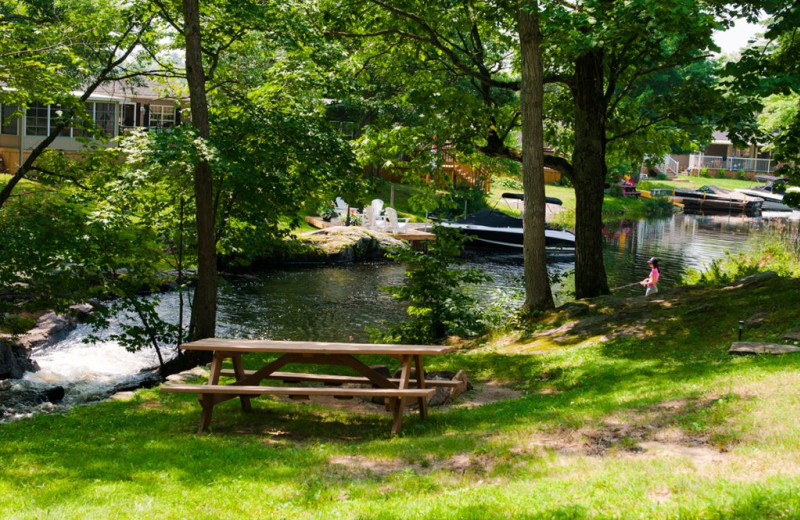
204	310
538	295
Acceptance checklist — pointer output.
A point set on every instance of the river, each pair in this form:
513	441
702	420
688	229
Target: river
340	303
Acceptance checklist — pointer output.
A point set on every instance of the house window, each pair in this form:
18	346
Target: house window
162	116
37	120
9	122
55	115
104	117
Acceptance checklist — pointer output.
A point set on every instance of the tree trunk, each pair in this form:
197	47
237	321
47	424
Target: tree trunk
537	286
204	308
589	164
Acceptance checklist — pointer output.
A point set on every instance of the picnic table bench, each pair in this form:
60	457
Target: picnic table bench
248	382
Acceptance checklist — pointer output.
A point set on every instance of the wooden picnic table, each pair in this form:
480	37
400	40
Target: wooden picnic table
248	382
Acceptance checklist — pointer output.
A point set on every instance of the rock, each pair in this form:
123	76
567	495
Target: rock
754	279
16	398
188	375
792	335
756	320
341	245
14	359
749	347
446	395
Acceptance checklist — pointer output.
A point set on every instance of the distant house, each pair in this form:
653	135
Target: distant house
116	108
722	154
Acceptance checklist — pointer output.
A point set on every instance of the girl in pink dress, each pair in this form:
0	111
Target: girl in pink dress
651	281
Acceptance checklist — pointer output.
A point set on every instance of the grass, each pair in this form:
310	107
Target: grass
631	408
694	182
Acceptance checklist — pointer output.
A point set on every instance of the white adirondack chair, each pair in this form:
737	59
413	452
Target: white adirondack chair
395	224
368	217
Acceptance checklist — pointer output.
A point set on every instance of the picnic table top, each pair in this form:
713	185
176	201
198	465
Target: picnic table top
311	347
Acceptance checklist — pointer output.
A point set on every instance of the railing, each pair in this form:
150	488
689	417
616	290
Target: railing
731	164
667	165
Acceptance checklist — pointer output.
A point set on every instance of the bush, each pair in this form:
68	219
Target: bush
704	171
438	306
507	183
15	324
740	175
720	174
774	250
472	198
792	200
661	176
659	207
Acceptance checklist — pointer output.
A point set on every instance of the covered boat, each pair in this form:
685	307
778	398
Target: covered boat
493	227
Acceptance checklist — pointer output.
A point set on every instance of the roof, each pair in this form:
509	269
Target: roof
122	90
719	137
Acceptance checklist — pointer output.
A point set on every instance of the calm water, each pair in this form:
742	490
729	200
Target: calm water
339	303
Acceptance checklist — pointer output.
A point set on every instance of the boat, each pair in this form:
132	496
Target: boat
773	201
714	200
495	228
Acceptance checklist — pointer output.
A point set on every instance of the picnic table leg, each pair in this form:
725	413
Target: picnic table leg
399	403
238	368
423	401
207	400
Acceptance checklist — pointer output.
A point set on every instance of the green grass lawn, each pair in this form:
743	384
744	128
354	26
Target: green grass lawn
631	408
695	182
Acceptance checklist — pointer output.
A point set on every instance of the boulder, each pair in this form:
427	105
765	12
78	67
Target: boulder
342	245
750	347
14	359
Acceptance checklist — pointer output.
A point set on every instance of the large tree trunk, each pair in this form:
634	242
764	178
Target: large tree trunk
589	164
537	286
204	309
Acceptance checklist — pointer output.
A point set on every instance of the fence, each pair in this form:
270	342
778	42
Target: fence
731	164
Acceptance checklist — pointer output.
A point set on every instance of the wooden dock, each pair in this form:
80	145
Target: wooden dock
412	232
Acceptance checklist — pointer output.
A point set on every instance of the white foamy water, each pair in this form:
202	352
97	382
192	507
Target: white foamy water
88	370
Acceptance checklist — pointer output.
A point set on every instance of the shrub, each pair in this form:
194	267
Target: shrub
774	250
720	174
792	199
508	183
438	305
704	171
659	207
16	324
661	176
615	190
741	176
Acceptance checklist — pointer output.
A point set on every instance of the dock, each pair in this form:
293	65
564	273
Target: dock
414	233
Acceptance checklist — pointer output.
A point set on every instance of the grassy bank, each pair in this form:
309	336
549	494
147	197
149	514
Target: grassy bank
631	408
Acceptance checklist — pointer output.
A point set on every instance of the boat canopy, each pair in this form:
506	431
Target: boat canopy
520	196
491	218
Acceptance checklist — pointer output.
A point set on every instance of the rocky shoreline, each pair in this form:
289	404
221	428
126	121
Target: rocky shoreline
15	350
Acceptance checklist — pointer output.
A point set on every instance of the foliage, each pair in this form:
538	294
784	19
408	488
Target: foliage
507	183
327	209
434	289
775	249
16	324
704	171
766	76
792	199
